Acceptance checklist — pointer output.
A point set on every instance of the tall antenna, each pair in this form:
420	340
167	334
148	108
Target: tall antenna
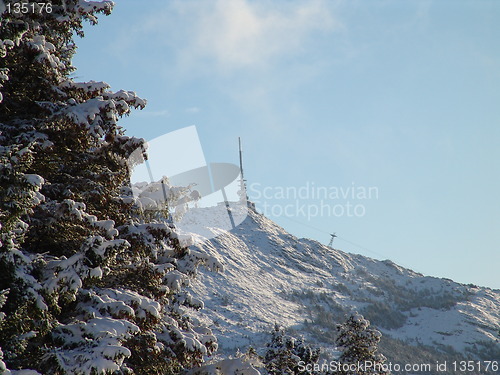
243	188
241	157
331	240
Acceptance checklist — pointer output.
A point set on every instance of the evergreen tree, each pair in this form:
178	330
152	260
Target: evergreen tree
93	287
358	343
3	298
288	355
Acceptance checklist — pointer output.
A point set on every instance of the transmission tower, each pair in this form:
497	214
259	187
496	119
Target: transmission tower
331	240
243	188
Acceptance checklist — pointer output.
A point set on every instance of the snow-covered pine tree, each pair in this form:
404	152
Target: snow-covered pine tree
287	355
3	298
358	343
92	287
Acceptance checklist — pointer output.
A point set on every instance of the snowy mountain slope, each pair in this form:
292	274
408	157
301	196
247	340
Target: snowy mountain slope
272	277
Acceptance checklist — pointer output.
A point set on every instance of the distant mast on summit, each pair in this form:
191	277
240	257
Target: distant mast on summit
243	188
241	157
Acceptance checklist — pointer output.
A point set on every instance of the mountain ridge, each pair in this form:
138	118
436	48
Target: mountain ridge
271	276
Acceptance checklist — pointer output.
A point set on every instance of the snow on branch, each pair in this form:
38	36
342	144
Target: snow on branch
94	346
46	52
101	113
88	9
91	88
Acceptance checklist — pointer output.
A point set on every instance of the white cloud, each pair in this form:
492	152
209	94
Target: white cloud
146	113
192	110
241	33
252	52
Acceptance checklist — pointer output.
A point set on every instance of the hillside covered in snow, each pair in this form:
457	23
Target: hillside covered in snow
271	277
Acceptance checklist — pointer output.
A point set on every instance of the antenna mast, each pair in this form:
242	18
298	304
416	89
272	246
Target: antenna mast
243	188
241	157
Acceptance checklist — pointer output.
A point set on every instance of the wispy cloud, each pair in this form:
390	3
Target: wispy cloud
146	113
192	110
241	33
256	53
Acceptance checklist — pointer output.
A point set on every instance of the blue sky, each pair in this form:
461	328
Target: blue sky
400	96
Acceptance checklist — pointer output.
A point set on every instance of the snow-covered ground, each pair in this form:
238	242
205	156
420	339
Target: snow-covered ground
272	277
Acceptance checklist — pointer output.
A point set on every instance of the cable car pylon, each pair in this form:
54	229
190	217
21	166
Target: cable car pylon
331	240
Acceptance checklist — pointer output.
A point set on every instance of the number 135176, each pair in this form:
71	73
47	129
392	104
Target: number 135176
469	366
28	7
